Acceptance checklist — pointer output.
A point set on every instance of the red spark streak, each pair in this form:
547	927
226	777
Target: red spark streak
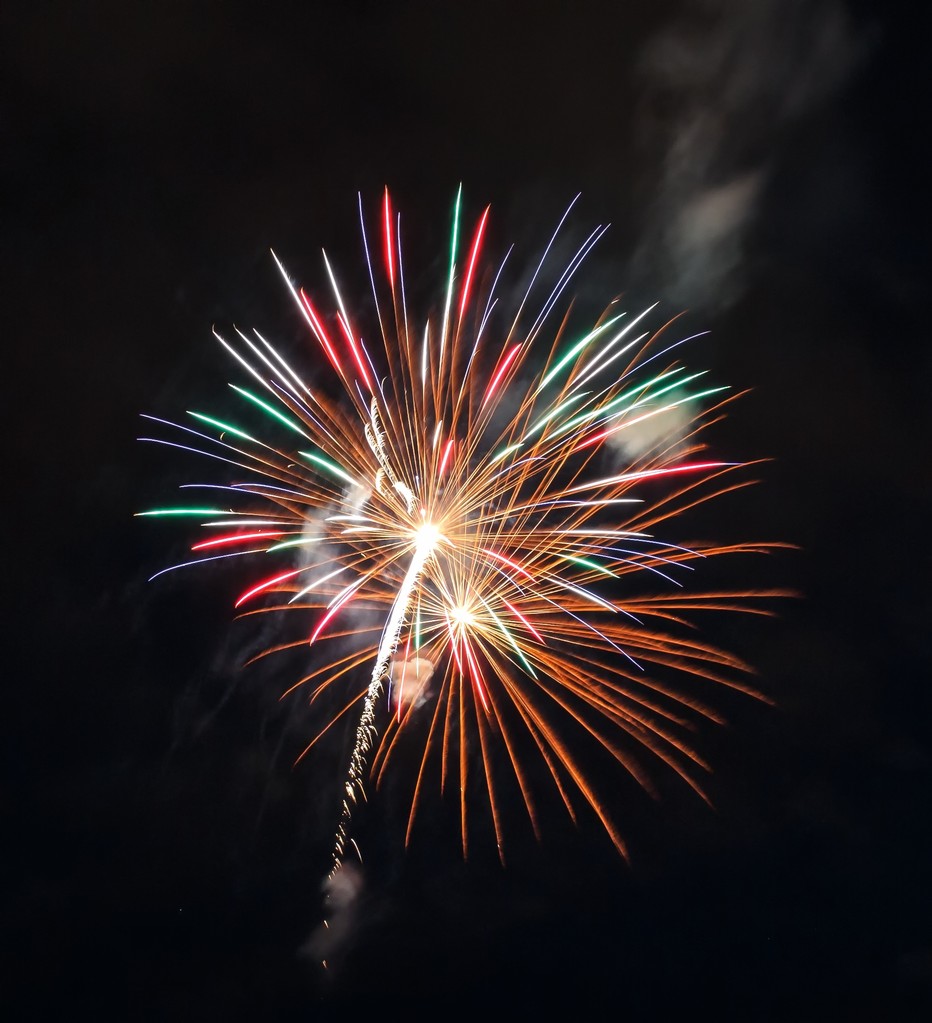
267	585
500	372
318	328
389	246
510	564
524	620
330	614
447	451
236	538
477	241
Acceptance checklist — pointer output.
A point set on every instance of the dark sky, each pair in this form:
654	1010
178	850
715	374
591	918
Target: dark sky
764	166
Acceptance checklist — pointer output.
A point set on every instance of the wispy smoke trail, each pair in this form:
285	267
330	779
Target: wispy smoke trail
330	942
722	87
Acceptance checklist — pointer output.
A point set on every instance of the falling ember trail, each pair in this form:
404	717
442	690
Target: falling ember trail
426	541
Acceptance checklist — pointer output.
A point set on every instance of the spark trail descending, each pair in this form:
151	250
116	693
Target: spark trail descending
461	510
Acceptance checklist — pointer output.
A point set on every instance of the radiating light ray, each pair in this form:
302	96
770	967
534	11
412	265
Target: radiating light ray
203	561
330	467
540	265
492	300
576	349
567	275
316	584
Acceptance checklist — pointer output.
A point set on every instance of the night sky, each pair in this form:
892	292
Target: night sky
764	167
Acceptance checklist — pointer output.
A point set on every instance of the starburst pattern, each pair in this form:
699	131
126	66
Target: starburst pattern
465	525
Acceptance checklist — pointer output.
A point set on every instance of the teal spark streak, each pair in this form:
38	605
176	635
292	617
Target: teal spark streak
663	408
589	564
329	466
601	410
446	311
541	423
224	427
505	452
576	349
293	543
186	511
271	411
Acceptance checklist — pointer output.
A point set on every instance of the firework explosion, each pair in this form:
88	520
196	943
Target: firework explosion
459	516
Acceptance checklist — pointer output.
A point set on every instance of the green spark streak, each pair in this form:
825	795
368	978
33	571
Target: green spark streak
292	543
446	311
602	410
589	564
224	427
271	411
600	413
663	408
576	349
505	452
696	397
669	387
541	423
185	511
329	466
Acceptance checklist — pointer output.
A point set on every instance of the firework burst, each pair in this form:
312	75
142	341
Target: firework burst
469	513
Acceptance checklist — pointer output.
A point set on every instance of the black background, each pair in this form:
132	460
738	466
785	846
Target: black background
163	857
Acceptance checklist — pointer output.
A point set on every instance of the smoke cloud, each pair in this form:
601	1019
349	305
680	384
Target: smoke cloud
666	429
722	88
410	682
330	941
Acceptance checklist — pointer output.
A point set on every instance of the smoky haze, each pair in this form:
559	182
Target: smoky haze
722	87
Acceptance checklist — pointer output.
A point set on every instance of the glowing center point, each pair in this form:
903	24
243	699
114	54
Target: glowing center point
462	616
426	538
